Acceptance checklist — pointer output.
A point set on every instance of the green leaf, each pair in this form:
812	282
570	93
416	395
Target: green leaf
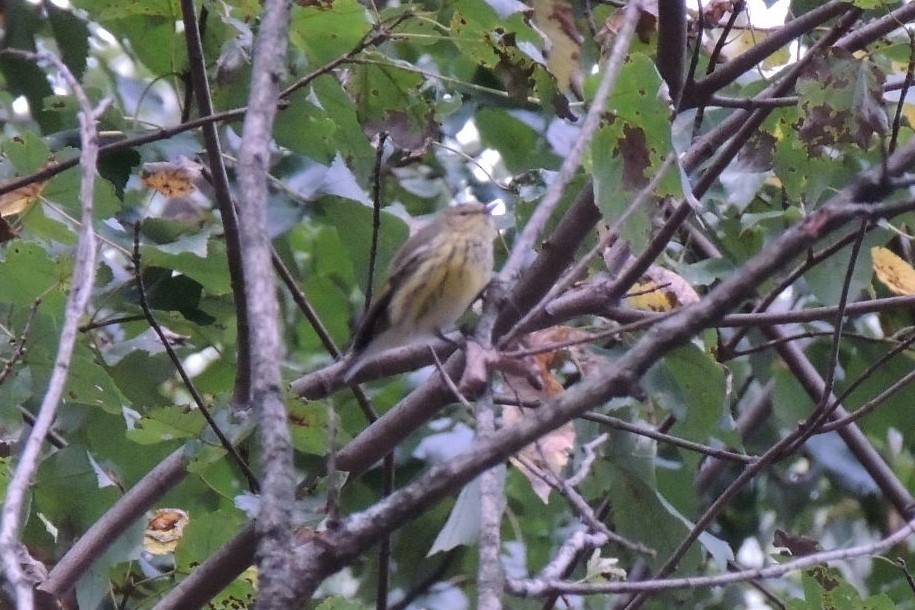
151	36
308	425
841	98
639	514
520	146
204	534
307	129
63	190
824	587
339	603
332	306
170	292
28	273
88	383
28	152
6	475
72	36
701	406
23	76
509	47
197	257
166	424
389	98
325	33
630	148
349	136
825	279
65	475
112	10
140	377
353	222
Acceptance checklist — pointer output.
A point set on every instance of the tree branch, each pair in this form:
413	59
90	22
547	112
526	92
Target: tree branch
197	64
82	283
275	518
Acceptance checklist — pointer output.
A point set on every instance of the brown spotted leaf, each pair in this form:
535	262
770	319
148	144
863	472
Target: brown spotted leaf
841	100
550	454
556	20
164	530
172	178
895	273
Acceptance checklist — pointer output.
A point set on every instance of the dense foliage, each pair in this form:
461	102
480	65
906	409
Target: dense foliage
696	315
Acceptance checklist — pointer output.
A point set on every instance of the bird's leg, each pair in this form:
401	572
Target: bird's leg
455	344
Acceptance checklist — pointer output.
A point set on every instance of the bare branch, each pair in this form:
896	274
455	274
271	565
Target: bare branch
542	587
220	180
83	281
275	518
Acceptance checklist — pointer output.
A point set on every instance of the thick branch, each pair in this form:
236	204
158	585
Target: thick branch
699	93
319	558
275	519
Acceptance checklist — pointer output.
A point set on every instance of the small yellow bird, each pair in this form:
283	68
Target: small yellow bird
434	277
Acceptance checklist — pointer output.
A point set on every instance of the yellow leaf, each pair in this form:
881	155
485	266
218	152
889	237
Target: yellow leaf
661	290
648	296
171	178
556	20
164	531
20	199
894	272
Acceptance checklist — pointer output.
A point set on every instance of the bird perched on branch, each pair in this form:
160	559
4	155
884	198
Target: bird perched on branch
434	277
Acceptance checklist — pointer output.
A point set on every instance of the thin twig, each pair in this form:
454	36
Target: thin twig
53	437
738	7
20	342
111	322
528	237
867	407
227	211
823	408
533	588
179	367
906	84
766	345
575	271
676	441
376	216
82	283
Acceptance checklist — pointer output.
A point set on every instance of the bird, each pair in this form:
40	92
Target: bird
433	278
